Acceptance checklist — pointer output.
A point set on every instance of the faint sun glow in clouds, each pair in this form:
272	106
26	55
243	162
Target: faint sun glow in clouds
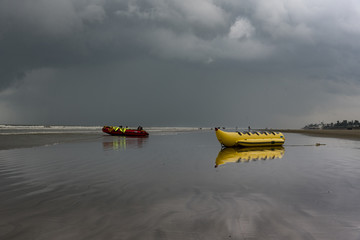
241	29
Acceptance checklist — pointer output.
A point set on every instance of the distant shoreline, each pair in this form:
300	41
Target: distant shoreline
336	133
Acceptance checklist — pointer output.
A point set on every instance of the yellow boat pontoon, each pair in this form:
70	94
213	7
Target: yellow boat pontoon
236	155
249	139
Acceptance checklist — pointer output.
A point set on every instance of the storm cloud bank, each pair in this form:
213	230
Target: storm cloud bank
200	62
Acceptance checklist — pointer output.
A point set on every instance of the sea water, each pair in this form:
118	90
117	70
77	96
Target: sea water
170	186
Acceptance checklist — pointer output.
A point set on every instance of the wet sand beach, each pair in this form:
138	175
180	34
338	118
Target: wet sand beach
37	140
353	134
179	185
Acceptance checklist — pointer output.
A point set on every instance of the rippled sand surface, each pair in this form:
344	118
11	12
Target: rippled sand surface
167	187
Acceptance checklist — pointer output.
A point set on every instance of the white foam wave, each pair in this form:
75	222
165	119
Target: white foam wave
170	129
20	127
40	129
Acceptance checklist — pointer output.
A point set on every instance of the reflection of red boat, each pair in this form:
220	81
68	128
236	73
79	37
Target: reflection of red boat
117	131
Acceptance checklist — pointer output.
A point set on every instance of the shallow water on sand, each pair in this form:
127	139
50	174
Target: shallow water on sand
167	187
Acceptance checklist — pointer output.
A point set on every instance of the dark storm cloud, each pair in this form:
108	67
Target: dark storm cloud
287	60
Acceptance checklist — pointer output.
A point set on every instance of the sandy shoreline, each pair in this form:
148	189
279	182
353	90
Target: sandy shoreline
336	133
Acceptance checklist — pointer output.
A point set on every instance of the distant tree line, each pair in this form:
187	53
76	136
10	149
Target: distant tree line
345	124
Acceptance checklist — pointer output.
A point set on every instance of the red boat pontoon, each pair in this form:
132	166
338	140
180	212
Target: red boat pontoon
117	131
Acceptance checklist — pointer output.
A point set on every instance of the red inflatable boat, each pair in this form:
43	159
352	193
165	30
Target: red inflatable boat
117	131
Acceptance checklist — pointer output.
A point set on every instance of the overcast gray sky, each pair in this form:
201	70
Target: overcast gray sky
273	63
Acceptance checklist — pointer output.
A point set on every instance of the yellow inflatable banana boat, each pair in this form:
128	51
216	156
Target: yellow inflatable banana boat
236	155
249	139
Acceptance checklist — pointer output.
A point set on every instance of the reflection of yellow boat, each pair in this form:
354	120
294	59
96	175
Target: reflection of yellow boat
248	139
227	155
